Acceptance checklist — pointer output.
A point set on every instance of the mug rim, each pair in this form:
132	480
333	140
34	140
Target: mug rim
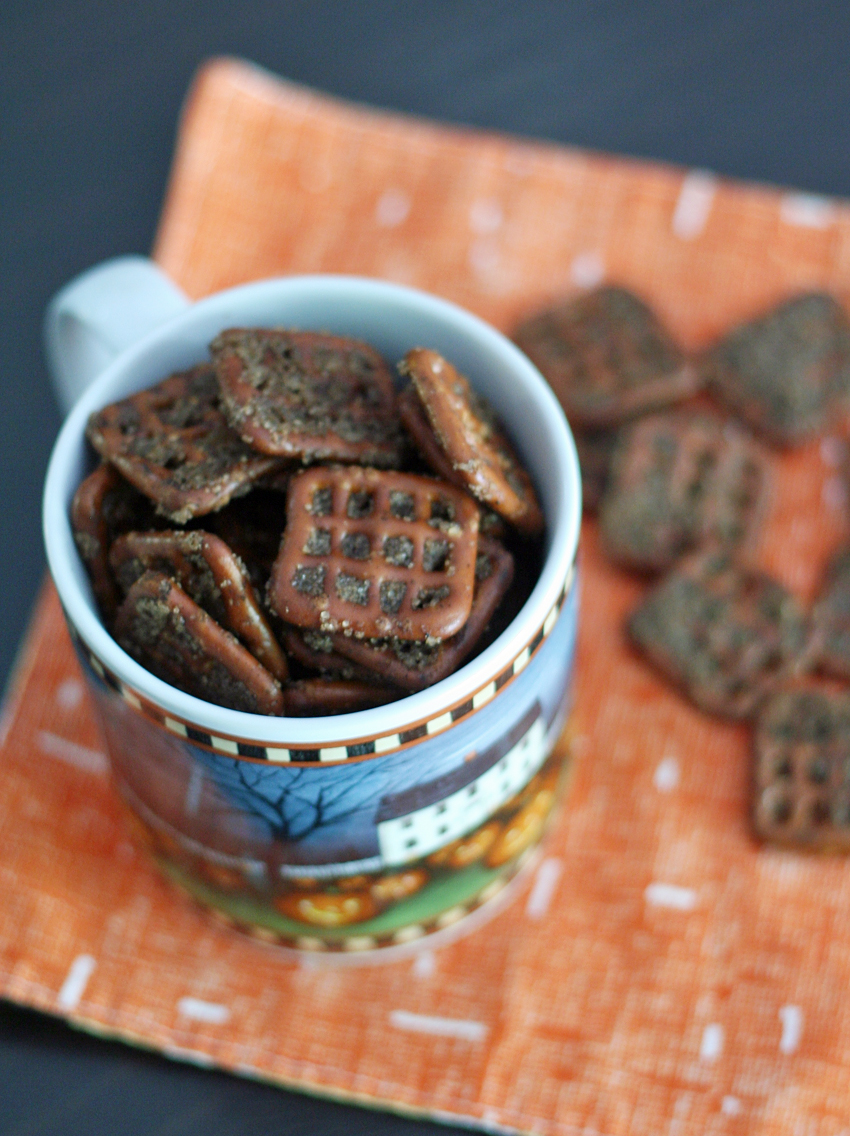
394	717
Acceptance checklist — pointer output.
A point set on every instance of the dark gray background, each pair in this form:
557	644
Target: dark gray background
89	99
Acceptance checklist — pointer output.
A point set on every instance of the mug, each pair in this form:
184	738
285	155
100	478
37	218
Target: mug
362	830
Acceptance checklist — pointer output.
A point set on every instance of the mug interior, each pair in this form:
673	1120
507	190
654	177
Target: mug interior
393	319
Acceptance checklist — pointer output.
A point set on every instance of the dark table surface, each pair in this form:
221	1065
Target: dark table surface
89	98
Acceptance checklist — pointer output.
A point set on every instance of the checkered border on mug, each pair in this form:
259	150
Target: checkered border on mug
339	752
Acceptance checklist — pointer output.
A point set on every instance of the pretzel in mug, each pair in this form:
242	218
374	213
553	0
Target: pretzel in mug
415	666
173	443
376	553
308	395
214	577
169	634
475	454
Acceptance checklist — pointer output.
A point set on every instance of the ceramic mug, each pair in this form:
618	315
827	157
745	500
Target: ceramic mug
361	830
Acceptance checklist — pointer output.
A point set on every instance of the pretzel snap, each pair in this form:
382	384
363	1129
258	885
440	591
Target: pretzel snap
478	456
831	617
315	650
801	756
607	357
315	697
416	666
209	572
308	395
173	443
787	373
727	635
678	480
169	634
374	553
251	526
103	506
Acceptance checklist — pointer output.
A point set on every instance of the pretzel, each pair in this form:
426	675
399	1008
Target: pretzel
474	451
175	639
415	421
801	756
251	526
788	373
416	666
413	418
308	395
831	617
679	479
316	651
103	506
174	444
208	571
375	553
726	635
313	697
607	358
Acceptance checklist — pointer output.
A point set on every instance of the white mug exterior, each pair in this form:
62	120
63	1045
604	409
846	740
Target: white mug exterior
393	318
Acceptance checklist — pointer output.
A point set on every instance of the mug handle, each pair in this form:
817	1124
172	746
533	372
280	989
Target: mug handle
100	313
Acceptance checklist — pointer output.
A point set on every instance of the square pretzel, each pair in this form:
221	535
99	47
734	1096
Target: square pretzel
607	357
727	635
415	666
786	373
801	756
374	553
831	617
165	631
173	443
678	480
